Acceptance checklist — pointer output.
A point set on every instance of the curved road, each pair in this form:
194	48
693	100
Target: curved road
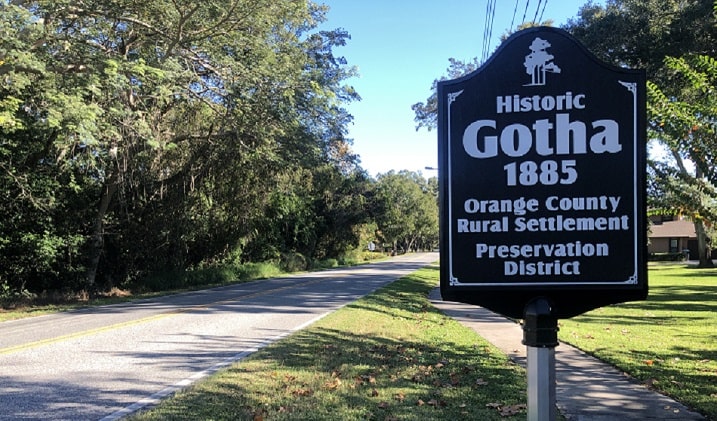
107	362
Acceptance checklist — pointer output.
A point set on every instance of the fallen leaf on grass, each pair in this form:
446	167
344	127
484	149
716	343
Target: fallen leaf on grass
400	396
510	410
374	393
332	384
507	410
675	382
649	362
481	382
383	405
420	402
302	392
259	415
437	403
365	379
455	379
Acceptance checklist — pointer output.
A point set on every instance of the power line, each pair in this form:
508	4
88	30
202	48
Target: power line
485	30
537	8
543	11
490	31
512	22
488	28
527	2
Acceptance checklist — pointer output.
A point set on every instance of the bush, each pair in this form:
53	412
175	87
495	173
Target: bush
293	262
262	270
180	279
325	264
667	257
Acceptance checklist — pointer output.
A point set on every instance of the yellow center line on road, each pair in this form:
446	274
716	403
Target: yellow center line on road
21	347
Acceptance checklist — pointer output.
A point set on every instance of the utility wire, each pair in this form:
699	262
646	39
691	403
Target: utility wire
543	11
489	27
527	2
537	8
512	22
485	30
490	31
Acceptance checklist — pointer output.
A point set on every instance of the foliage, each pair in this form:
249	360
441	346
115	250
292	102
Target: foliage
390	355
146	137
406	210
675	42
685	120
641	33
667	342
426	113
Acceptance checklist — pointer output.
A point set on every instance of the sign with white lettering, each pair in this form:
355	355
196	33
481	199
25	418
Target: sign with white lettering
542	176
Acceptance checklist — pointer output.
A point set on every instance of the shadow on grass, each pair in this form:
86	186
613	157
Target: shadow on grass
389	356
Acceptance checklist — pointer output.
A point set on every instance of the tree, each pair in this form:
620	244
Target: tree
686	122
641	33
675	42
151	135
406	210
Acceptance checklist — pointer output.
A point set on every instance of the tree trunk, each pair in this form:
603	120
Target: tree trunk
704	247
97	237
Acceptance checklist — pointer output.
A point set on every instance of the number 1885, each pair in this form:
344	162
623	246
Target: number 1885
547	173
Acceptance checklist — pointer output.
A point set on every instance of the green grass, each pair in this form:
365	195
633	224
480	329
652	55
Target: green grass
668	341
388	356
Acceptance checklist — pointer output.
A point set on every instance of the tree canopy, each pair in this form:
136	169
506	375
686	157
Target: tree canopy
145	136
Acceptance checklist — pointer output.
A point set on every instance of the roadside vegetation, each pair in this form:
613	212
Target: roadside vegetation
668	341
388	356
16	306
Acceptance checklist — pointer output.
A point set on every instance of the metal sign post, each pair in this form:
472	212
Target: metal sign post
540	336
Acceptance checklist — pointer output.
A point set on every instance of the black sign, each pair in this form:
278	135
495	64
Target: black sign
542	176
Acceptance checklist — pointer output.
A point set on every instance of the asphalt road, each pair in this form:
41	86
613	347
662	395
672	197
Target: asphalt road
107	362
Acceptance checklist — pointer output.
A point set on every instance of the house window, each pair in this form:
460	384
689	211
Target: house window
674	245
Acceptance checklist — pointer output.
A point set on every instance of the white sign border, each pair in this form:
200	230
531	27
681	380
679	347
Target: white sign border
632	280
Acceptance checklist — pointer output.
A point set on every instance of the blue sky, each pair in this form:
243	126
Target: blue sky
399	48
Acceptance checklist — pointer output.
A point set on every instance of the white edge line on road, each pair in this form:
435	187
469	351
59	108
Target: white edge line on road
155	398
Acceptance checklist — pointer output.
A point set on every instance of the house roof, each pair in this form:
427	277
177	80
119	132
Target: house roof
673	229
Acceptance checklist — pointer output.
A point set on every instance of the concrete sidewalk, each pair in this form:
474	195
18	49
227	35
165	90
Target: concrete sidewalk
587	389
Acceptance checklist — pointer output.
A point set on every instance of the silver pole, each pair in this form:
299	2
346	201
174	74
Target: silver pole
541	384
540	336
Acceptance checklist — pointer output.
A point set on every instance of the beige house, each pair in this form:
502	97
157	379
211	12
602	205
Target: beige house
672	236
